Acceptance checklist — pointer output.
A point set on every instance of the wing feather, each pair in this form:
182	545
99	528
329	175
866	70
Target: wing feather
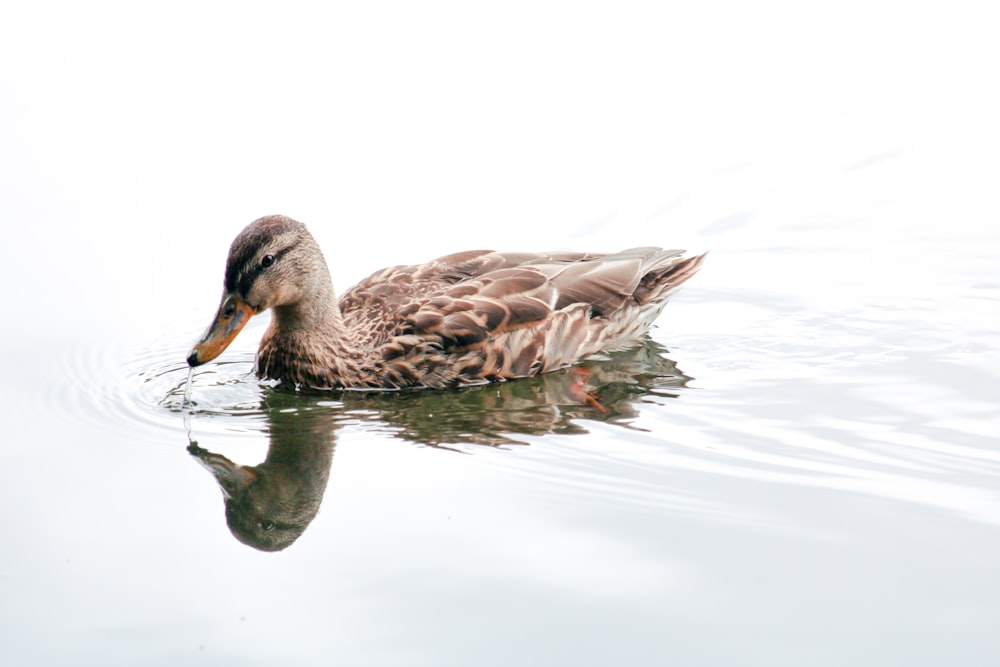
479	314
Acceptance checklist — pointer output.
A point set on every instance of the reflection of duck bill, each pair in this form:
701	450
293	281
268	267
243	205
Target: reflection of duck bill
233	315
232	477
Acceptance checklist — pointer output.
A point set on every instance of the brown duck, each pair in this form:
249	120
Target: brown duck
468	318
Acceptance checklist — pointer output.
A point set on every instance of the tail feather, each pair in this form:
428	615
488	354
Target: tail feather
664	279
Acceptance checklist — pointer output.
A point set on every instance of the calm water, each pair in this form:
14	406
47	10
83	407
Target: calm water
801	466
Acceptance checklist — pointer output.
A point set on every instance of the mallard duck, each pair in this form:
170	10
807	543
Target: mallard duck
467	318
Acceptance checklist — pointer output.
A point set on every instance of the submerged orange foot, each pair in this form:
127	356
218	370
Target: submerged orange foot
582	391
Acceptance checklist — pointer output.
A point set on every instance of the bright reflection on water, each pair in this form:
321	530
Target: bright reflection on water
801	467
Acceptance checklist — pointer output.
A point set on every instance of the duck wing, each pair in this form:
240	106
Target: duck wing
482	314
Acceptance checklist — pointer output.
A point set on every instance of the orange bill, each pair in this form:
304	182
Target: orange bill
233	315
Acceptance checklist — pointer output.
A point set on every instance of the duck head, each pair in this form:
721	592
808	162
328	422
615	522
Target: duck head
273	263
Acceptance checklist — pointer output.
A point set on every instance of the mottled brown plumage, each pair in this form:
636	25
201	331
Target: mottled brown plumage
467	318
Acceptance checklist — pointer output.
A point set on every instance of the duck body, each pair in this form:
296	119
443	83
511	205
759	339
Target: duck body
467	318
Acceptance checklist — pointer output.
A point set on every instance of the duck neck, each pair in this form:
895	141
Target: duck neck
307	343
318	314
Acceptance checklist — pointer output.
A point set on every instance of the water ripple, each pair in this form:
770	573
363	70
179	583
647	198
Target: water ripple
799	398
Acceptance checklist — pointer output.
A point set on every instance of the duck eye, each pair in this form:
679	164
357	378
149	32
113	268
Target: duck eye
267	261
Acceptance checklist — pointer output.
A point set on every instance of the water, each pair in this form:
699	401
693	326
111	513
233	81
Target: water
187	388
800	467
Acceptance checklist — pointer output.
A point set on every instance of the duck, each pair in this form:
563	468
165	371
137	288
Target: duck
467	318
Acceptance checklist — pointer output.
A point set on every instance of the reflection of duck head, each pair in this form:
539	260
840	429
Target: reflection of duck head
269	505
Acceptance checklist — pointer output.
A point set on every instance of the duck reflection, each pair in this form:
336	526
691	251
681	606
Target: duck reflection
606	389
268	506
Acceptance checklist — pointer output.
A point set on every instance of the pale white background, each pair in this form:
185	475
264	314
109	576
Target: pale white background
136	140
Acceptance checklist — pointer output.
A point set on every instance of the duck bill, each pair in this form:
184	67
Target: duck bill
233	315
231	477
